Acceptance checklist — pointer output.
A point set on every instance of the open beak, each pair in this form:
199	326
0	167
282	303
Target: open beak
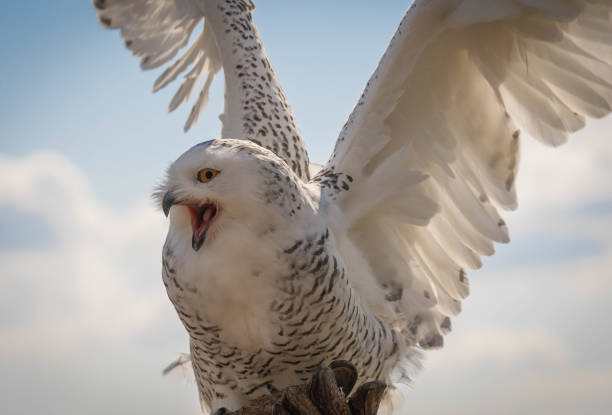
202	216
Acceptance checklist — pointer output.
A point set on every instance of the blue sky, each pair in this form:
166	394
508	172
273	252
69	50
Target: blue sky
85	325
64	81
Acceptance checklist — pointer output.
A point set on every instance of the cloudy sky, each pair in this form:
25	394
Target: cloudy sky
85	324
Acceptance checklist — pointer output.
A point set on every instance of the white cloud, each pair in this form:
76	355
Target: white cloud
85	322
480	346
568	176
84	285
586	384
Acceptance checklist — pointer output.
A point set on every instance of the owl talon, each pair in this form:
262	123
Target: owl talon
296	402
324	392
279	409
367	398
345	374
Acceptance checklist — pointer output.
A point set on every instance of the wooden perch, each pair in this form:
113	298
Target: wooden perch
327	393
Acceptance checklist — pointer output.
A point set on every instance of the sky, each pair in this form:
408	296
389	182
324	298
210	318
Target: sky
85	323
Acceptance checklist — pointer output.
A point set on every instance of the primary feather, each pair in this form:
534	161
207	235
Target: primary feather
457	83
366	261
255	106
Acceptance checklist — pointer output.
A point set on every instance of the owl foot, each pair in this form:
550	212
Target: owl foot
367	398
346	375
327	393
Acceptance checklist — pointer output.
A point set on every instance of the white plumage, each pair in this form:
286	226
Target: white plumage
411	194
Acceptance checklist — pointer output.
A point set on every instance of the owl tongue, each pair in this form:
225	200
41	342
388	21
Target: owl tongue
201	218
208	212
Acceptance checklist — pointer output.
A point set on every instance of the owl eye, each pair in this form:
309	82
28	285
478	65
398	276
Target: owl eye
206	175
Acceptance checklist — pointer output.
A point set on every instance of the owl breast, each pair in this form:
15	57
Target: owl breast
264	316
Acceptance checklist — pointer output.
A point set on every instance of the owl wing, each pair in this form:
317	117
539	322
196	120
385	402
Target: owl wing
157	31
430	152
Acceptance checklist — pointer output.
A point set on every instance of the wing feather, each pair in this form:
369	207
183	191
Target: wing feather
157	31
457	83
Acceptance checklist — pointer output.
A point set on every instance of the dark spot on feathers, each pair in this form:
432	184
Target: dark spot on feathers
100	4
426	294
395	291
128	43
516	134
294	247
509	181
501	223
462	275
434	341
105	21
446	324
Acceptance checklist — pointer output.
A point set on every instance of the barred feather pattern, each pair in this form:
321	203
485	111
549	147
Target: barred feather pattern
317	317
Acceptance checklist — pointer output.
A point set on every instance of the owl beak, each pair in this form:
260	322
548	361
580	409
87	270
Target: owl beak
202	216
169	200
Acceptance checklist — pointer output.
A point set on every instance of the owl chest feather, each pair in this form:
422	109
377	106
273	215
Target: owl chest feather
228	284
262	315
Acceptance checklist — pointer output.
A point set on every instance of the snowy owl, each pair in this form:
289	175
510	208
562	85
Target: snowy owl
275	266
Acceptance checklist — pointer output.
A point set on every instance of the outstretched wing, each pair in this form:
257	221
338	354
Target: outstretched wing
156	31
431	150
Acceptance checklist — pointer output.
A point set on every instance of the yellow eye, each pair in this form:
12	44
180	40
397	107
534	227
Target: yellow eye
206	175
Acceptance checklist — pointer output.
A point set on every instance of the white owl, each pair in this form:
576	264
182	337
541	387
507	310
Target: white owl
276	266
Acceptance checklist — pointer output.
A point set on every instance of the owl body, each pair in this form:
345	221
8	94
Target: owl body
266	300
275	270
